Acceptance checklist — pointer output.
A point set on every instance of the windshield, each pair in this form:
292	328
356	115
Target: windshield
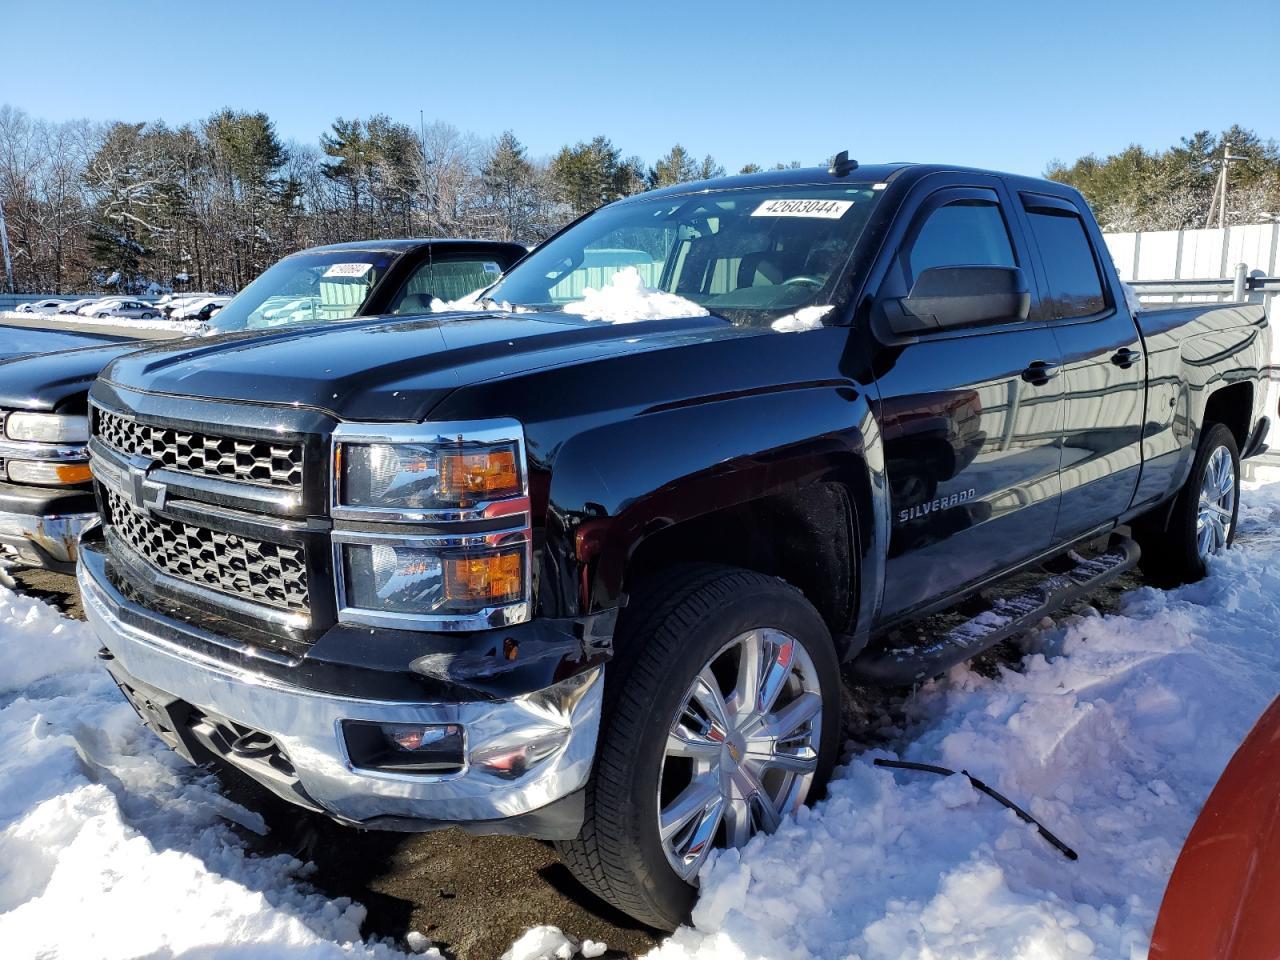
750	255
329	285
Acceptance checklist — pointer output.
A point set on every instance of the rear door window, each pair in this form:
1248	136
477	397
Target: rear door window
1071	269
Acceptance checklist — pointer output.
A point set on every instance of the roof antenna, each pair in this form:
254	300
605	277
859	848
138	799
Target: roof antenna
842	166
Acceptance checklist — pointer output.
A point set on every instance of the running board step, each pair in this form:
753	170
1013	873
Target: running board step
904	665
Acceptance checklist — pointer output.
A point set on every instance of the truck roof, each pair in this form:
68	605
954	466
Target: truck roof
801	176
400	245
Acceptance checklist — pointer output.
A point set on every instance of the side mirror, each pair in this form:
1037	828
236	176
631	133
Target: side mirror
946	297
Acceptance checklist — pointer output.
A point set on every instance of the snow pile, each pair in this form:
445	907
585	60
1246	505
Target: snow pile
552	943
420	944
625	299
473	302
542	943
1112	734
110	846
806	318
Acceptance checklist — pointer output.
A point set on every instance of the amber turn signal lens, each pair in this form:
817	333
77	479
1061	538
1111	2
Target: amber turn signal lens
490	578
478	474
46	472
75	473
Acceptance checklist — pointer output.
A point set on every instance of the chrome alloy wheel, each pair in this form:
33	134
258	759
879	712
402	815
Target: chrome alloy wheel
1217	503
742	749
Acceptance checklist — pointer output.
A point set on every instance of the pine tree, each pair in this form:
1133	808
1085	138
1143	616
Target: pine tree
1139	189
393	152
676	167
245	159
347	146
590	174
508	179
129	177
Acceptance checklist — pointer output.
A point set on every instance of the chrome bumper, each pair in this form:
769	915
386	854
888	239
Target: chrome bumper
56	537
305	725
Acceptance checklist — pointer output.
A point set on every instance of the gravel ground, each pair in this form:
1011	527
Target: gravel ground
478	894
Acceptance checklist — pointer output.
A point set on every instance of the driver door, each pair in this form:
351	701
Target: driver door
971	417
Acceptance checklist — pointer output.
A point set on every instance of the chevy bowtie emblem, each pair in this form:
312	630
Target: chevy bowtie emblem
144	493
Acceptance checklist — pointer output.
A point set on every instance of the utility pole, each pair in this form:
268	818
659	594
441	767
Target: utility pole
4	244
1219	203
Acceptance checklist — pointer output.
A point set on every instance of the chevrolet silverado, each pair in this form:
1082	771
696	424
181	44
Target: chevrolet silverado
529	568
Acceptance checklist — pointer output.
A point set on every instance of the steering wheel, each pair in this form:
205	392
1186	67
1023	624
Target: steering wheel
806	279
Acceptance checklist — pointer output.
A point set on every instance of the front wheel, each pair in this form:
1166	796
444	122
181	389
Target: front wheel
1203	521
722	716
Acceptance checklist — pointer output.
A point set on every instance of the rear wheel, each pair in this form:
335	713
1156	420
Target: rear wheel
721	718
1203	521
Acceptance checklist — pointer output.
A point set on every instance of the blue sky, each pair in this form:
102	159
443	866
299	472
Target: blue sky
1004	85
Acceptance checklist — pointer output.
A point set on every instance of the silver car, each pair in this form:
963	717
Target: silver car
125	309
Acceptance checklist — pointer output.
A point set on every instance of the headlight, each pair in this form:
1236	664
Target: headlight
47	473
407	578
422	476
46	428
471	568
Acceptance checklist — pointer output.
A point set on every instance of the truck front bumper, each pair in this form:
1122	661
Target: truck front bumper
295	738
49	541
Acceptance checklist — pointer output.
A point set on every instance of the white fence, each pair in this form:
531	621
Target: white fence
1204	266
1196	255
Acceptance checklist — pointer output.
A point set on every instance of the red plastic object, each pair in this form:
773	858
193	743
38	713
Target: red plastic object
1223	899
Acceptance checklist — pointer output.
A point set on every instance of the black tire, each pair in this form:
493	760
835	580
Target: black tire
1170	553
669	633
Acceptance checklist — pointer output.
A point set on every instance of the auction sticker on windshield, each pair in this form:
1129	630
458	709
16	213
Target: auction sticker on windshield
348	269
824	209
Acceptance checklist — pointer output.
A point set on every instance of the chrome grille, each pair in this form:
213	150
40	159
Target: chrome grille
238	566
248	461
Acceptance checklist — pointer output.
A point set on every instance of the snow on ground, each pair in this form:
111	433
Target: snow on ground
110	847
1112	734
625	299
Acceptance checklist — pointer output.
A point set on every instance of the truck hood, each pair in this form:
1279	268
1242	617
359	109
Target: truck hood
23	341
48	380
392	368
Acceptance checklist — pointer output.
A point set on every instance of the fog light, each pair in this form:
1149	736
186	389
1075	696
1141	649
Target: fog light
405	747
512	760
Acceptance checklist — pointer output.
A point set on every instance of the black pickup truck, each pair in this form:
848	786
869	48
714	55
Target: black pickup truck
48	363
587	563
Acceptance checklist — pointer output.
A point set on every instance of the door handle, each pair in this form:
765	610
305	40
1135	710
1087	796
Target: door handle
1126	358
1040	372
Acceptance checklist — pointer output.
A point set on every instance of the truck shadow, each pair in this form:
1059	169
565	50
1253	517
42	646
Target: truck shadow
472	896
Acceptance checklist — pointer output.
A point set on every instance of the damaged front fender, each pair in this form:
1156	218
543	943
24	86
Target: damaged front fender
530	660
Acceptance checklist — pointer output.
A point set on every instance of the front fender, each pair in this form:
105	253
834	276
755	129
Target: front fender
613	486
